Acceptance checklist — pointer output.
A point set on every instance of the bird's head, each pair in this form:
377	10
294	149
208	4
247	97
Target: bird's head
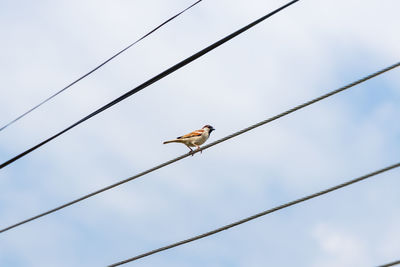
209	127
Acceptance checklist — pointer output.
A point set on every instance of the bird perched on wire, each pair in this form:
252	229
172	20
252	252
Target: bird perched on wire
194	139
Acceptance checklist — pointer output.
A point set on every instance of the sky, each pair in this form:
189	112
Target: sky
307	50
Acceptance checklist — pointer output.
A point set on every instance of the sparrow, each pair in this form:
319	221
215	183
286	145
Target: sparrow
194	139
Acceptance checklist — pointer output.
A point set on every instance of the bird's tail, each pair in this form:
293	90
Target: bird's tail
172	141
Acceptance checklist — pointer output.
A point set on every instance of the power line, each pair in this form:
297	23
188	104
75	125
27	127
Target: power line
390	264
205	147
151	81
283	206
98	67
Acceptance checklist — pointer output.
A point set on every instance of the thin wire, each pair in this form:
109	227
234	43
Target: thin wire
98	67
151	81
390	264
203	148
286	205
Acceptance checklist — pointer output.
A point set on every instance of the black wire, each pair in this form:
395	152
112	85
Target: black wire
98	67
204	147
151	81
390	264
286	205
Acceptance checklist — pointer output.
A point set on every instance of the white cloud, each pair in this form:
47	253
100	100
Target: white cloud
340	248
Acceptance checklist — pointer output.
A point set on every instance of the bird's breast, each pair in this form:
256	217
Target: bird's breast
201	139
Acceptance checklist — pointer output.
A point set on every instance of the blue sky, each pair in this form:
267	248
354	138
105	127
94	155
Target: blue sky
307	50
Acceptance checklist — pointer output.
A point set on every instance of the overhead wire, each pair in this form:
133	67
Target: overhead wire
296	108
98	67
253	217
390	264
151	81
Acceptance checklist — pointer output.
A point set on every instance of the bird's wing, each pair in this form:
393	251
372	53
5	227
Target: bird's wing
192	134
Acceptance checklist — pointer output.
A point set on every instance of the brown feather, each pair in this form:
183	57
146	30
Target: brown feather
192	134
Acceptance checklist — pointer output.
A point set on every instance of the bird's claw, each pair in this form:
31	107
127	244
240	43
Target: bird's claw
195	151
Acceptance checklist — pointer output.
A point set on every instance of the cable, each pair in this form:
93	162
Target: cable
203	148
390	264
98	67
283	206
151	81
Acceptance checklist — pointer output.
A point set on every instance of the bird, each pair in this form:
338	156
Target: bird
194	139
